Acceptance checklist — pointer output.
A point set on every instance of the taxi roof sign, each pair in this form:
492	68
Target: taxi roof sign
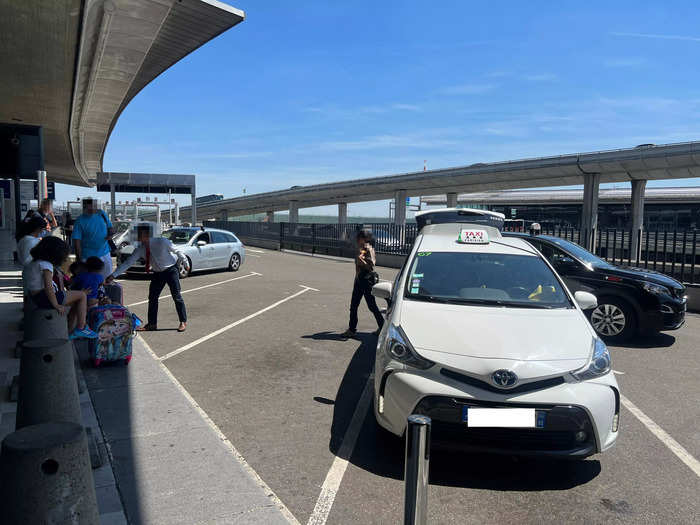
468	236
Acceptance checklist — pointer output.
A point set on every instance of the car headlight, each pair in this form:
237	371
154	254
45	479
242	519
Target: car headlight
599	365
399	348
656	289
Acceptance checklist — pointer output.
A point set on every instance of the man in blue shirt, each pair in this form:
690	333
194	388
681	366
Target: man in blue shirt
90	234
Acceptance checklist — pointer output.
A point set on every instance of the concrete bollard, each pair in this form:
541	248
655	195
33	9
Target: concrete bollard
45	324
48	389
45	476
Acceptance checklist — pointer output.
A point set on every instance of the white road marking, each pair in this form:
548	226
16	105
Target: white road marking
251	274
334	477
234	324
227	443
673	445
251	255
618	372
254	251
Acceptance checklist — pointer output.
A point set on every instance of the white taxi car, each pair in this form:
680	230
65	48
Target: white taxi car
484	337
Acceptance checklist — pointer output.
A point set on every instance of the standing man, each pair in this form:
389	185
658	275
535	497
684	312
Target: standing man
91	231
46	212
161	257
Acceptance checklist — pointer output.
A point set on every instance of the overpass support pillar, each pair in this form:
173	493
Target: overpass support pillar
270	216
400	207
342	213
113	202
638	190
293	212
223	215
589	215
452	200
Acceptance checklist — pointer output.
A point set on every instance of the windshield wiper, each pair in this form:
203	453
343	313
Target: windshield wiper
482	302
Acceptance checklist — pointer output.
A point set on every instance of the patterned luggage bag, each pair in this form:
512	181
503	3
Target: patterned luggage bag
114	325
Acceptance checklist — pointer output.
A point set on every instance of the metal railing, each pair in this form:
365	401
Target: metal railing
675	253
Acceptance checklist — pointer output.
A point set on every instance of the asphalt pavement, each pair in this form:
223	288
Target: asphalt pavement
262	357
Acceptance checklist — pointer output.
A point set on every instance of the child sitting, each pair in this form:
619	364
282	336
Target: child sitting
88	277
49	254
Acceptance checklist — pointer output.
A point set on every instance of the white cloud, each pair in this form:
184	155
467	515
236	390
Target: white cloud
657	36
467	89
387	142
541	77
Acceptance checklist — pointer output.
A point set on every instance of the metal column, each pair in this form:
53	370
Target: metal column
638	190
41	186
193	209
113	201
342	213
293	212
400	207
589	215
452	200
416	469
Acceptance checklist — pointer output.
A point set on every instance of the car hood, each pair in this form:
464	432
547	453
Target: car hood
482	339
634	272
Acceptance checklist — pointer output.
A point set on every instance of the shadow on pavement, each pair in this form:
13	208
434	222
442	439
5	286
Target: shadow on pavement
660	340
326	336
381	453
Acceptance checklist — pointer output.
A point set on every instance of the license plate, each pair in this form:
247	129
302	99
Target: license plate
501	417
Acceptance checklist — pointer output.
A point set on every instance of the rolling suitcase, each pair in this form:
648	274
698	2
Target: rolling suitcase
114	325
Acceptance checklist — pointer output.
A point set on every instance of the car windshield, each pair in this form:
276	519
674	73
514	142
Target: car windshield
491	279
179	236
120	226
580	253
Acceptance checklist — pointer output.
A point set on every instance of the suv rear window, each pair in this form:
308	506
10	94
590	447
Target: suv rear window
484	279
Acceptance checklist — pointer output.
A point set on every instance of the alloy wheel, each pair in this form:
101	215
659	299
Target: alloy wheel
608	319
235	262
184	269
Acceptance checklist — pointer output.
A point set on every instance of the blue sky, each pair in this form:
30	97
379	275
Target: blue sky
317	91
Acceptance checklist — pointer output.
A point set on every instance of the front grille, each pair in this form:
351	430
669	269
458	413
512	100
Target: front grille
519	439
526	387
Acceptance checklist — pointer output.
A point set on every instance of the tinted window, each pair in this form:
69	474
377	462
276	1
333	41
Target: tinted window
220	237
178	236
231	237
580	253
204	237
484	278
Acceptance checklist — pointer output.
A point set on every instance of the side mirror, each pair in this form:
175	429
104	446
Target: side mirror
382	290
585	300
564	262
201	243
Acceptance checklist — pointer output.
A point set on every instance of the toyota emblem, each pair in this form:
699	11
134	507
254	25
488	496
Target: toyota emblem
504	378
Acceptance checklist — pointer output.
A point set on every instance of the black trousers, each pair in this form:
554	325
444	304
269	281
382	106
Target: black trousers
361	289
171	277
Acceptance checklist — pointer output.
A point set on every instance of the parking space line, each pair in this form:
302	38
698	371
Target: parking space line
234	324
335	474
251	274
252	255
663	436
254	251
227	443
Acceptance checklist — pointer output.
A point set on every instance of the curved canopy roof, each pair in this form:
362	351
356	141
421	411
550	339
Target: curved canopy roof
72	66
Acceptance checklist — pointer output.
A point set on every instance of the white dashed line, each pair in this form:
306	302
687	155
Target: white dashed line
331	484
234	324
254	251
251	274
673	445
227	443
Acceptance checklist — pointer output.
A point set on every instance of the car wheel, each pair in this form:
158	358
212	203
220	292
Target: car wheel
234	263
184	268
614	319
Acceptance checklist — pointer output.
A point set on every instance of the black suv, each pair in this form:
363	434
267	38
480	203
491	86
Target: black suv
630	300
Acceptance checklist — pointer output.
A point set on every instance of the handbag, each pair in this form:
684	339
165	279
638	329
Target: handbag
372	278
110	242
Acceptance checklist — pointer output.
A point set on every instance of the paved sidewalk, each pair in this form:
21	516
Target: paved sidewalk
171	464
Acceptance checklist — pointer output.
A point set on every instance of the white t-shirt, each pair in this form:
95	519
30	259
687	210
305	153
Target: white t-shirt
24	246
32	275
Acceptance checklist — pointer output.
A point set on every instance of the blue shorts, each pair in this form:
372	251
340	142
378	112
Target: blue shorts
42	300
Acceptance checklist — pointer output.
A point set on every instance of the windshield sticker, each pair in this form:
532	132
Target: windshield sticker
424	254
417	275
414	290
415	282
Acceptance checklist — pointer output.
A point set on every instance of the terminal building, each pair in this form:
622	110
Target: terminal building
665	208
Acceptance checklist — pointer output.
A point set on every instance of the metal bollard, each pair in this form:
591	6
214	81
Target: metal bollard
45	324
45	476
48	389
415	511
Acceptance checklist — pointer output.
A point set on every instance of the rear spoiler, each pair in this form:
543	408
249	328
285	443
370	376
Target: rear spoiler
461	216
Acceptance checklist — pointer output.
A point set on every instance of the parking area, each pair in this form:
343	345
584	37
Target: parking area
261	356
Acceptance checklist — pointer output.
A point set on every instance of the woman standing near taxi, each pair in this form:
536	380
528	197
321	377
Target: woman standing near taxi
365	278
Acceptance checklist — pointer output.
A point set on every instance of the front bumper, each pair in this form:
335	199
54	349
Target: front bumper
669	316
567	409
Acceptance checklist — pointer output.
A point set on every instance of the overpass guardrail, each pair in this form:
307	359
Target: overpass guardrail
674	253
